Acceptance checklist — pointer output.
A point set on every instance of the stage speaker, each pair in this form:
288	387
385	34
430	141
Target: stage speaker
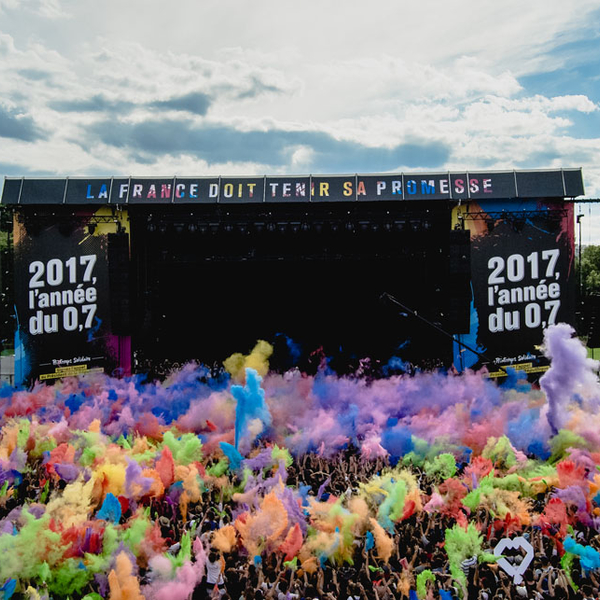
119	283
459	253
459	282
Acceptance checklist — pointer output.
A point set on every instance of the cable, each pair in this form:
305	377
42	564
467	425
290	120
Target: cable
414	313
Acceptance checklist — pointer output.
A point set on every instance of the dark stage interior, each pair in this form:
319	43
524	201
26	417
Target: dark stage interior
213	281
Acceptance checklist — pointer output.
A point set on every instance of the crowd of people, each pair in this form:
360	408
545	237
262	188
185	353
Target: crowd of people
418	548
409	559
302	487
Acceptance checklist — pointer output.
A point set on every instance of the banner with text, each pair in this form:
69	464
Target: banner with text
558	183
61	301
522	280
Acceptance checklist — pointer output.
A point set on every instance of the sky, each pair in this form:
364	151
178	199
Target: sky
223	87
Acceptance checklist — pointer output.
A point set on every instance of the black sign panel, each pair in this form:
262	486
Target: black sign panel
62	301
196	190
119	190
88	191
287	189
427	187
573	183
43	191
310	188
332	189
151	191
522	277
379	187
540	184
241	190
491	185
11	192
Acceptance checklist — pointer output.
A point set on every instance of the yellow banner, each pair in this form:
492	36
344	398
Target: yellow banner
527	367
69	372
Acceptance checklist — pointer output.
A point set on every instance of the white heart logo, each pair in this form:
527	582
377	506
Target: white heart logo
514	571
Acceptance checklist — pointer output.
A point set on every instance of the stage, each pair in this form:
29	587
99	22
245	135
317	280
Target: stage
142	274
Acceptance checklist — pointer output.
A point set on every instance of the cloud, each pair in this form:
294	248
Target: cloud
96	103
218	143
574	102
183	81
400	86
257	88
494	115
38	64
35	74
51	9
390	80
577	102
48	9
8	5
333	155
20	170
192	102
7	43
19	126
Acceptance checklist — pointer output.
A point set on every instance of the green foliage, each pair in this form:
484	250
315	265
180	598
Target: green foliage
590	270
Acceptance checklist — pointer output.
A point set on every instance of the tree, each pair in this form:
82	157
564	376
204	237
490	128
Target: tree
590	270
